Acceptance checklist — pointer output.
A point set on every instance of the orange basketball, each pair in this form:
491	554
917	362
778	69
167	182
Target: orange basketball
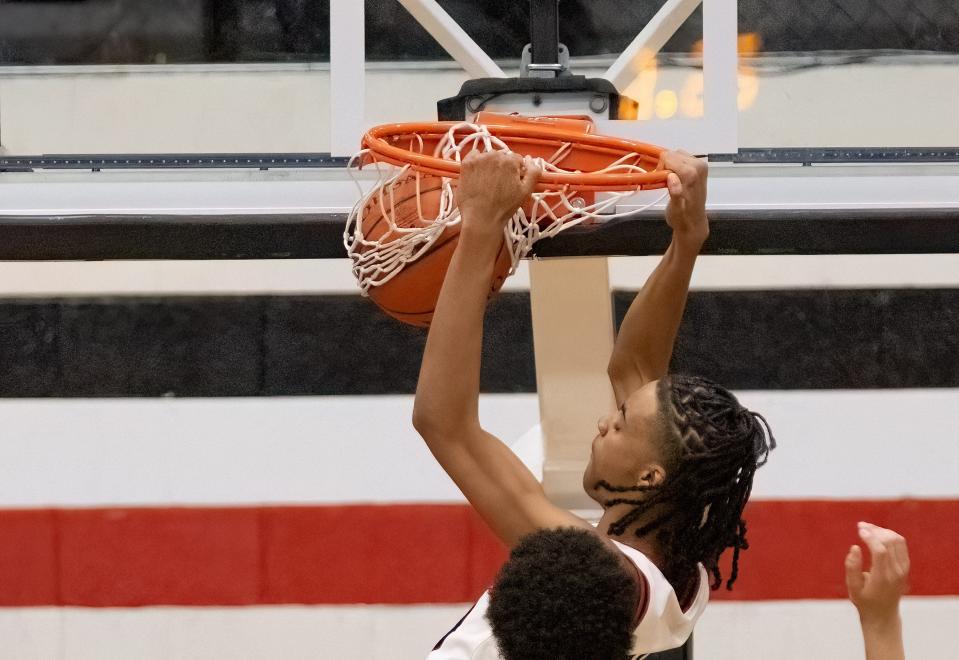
411	294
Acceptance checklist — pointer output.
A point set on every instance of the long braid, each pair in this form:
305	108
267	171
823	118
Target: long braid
712	447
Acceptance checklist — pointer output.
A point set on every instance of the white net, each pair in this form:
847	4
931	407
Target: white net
378	260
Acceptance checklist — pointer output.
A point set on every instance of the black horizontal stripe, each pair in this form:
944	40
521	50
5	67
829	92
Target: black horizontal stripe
772	231
320	345
107	237
821	339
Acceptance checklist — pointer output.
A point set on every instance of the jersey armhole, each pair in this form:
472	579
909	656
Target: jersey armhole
459	623
692	592
642	605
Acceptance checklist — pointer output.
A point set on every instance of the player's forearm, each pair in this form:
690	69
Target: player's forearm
645	341
883	638
447	395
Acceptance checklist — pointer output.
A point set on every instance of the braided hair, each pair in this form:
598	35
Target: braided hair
711	447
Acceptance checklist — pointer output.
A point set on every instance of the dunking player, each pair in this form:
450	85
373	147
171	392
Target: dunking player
672	467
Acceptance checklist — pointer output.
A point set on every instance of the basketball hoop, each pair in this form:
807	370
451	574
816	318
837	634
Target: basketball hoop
578	159
411	211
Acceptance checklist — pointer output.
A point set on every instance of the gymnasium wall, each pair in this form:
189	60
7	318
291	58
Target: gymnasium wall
214	460
324	512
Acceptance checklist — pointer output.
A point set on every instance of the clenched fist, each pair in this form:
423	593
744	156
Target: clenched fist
686	212
492	186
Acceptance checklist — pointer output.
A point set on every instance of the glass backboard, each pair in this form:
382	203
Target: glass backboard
102	76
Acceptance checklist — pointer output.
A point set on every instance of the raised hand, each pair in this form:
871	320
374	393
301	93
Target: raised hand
686	183
876	593
492	186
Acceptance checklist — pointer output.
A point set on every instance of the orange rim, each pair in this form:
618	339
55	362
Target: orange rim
383	141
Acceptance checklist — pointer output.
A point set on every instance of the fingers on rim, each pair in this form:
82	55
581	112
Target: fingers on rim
674	184
671	160
689	172
680	156
509	158
531	176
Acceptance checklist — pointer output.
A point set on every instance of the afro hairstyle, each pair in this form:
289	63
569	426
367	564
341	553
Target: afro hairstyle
564	594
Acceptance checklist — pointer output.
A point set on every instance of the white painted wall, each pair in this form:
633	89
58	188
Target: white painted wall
795	630
311	449
333	276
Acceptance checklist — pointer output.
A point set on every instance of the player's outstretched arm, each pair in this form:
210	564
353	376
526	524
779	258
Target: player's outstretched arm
876	593
492	186
644	345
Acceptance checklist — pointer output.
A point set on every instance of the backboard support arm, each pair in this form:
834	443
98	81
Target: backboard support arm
544	31
453	38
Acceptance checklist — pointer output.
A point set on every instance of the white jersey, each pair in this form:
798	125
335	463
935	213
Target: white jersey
663	623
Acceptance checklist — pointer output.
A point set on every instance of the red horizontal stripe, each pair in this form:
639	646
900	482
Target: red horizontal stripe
245	556
797	547
397	554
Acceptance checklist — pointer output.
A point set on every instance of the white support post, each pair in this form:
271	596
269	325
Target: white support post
573	339
453	38
347	76
721	70
717	130
649	42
